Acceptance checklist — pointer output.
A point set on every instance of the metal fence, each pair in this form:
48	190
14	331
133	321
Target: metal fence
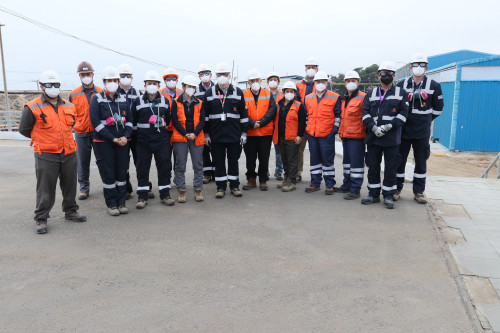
9	120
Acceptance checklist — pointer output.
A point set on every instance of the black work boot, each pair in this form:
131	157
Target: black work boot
351	196
388	202
370	200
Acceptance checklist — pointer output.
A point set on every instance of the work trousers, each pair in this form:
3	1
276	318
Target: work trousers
322	153
354	164
302	147
181	150
374	158
85	142
233	151
47	173
421	153
208	161
113	162
162	155
279	162
290	157
258	147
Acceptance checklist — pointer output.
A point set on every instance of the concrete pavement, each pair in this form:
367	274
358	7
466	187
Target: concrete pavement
269	261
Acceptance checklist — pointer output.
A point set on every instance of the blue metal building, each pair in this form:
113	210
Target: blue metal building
471	88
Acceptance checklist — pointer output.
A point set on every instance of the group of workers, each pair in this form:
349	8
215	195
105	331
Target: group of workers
215	121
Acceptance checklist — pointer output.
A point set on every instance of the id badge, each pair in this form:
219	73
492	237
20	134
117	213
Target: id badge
223	117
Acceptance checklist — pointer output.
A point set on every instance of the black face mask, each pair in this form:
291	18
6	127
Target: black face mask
386	79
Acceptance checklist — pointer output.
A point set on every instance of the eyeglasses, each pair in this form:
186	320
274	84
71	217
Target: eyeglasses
419	64
50	85
384	73
203	73
169	79
222	74
125	76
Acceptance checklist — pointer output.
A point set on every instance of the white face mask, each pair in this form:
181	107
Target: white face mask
222	80
87	80
125	81
273	84
255	86
171	84
289	96
320	87
205	78
112	87
152	89
310	72
190	91
52	92
351	86
418	71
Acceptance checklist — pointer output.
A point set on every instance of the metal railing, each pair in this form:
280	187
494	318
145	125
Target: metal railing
9	120
492	164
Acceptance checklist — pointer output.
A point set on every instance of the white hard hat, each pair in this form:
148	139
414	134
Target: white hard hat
152	76
320	75
204	68
222	67
419	57
386	66
49	76
125	69
190	80
352	75
271	74
289	85
110	72
170	72
253	74
311	61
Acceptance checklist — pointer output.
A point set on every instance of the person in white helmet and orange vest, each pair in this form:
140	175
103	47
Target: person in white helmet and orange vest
151	116
273	82
111	117
188	136
261	108
205	76
353	132
426	104
385	109
84	132
48	121
289	127
323	121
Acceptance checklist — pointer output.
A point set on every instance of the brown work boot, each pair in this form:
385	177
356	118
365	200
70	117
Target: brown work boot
263	186
329	190
283	183
396	195
289	187
113	211
41	226
207	179
236	192
123	209
168	201
83	195
311	189
74	216
181	195
420	198
252	183
220	193
198	197
141	204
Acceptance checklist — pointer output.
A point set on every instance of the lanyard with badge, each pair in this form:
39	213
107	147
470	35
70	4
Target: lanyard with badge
223	101
381	99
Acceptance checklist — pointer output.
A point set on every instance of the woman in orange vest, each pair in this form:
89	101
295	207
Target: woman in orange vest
289	127
261	107
353	132
188	135
323	122
48	121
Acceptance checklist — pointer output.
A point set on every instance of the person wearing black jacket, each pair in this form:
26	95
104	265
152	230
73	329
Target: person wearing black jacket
226	126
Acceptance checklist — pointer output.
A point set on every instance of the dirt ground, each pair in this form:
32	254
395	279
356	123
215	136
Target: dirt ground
460	164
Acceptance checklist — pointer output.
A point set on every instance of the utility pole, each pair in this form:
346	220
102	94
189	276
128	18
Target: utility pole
7	109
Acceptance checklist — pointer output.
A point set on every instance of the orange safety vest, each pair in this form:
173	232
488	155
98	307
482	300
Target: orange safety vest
279	96
321	117
257	112
302	89
292	123
81	104
181	115
163	91
52	131
352	126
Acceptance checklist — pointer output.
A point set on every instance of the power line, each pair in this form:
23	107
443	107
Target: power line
63	33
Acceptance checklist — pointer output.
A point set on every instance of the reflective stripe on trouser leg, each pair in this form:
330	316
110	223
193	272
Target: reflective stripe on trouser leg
356	148
106	162
327	153
122	164
404	150
233	155
421	152
162	161
346	184
391	155
315	161
374	156
208	163
144	156
219	155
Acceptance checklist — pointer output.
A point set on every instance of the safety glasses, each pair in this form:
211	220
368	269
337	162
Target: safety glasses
50	85
125	76
419	64
170	79
384	73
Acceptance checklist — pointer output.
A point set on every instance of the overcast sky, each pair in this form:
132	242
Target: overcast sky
256	34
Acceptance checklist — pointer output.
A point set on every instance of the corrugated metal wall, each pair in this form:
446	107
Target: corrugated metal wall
478	125
442	125
448	58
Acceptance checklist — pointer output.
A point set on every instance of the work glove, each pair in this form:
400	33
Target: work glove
378	131
386	128
243	138
208	141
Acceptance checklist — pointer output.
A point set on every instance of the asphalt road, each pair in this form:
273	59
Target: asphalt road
267	262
